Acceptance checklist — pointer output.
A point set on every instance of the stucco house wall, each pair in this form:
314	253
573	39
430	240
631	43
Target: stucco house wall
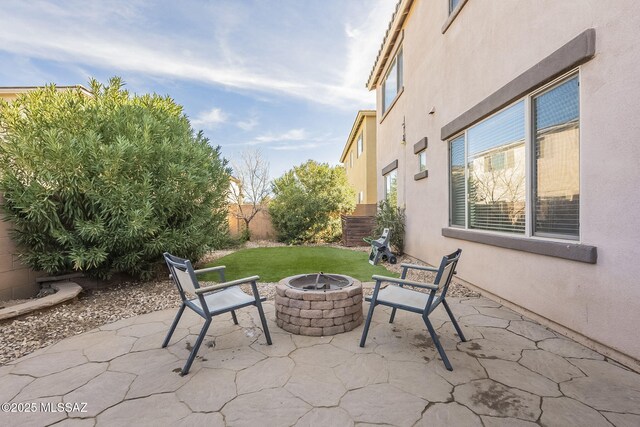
362	174
448	73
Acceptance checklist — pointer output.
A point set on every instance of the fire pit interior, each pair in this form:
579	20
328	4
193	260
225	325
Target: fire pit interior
318	304
319	281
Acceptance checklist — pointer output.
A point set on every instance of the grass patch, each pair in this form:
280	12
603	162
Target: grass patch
274	264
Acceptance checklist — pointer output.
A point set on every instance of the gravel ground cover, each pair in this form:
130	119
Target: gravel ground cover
94	308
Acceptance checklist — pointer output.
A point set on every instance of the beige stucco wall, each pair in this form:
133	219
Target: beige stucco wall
362	176
16	280
487	46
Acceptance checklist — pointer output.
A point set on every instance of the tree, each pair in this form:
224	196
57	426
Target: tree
253	188
308	201
106	183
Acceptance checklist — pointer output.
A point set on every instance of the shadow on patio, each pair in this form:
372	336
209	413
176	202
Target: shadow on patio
512	371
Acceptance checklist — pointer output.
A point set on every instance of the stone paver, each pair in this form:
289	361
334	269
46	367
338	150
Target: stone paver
383	403
562	411
487	397
449	414
511	372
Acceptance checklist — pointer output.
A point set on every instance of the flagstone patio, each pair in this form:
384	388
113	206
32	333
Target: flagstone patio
511	372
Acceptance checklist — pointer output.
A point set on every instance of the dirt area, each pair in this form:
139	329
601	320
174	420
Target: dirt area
94	308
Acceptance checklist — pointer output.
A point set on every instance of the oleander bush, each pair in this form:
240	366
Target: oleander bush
106	183
308	201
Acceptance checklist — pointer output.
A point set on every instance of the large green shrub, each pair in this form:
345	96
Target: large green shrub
392	217
106	183
308	201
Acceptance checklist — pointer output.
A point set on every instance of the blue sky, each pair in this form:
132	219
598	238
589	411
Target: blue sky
286	77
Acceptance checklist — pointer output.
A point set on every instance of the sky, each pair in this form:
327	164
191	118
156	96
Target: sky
286	77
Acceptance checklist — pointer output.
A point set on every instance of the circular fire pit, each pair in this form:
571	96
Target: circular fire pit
318	304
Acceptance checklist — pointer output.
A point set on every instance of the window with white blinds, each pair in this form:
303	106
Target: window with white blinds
490	163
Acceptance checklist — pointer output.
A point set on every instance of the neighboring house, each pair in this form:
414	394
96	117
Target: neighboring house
359	159
509	129
16	280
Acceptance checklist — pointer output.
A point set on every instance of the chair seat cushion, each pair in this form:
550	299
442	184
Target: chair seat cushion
395	295
224	300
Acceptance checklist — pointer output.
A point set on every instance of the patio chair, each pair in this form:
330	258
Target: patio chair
397	296
211	300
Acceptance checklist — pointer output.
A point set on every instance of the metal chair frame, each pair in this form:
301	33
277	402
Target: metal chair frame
441	283
184	276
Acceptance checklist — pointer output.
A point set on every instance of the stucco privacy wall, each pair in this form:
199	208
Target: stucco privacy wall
487	46
16	280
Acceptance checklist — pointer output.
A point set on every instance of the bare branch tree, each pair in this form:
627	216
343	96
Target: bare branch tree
252	187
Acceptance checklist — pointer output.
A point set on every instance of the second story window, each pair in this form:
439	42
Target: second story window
453	4
360	145
392	82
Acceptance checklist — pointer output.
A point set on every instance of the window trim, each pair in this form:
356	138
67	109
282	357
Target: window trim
503	239
453	14
399	89
568	57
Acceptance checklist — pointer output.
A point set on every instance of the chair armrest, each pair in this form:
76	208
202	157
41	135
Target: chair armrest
406	282
209	269
226	285
418	267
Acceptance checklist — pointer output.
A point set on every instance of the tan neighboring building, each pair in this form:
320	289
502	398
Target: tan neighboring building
16	280
509	129
359	160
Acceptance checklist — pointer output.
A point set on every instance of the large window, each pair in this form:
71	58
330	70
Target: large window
392	82
360	144
391	187
490	163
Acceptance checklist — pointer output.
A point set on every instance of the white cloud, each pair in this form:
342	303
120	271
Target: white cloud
119	38
210	119
248	124
290	135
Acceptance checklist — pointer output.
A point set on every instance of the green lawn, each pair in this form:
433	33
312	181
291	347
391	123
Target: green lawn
273	264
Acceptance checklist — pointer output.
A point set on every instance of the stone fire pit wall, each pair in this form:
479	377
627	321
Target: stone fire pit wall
318	313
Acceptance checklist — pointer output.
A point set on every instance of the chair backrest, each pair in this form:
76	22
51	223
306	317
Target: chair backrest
182	273
446	271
